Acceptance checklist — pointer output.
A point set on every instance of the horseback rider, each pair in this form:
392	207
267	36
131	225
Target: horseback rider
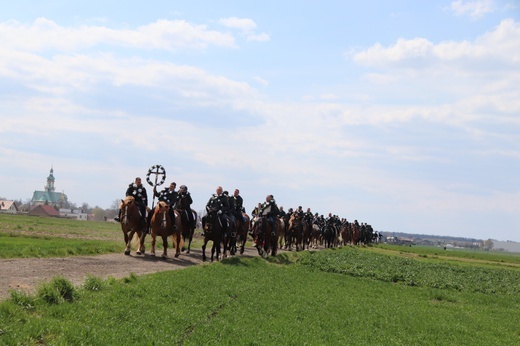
183	204
239	205
219	203
300	212
281	212
168	195
138	191
308	217
230	212
256	211
270	211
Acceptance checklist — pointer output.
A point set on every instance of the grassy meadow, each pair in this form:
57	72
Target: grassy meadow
350	296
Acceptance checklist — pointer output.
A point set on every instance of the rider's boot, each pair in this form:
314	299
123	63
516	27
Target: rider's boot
118	217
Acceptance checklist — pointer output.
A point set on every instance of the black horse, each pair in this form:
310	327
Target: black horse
266	236
213	230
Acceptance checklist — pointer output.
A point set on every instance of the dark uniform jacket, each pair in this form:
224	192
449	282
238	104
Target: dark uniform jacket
184	201
219	203
138	192
168	196
270	208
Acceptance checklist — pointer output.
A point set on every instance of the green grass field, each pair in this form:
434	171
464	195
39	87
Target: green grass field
347	296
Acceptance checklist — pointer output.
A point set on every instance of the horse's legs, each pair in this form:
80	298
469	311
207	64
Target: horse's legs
204	249
192	230
178	238
165	246
140	249
127	243
153	243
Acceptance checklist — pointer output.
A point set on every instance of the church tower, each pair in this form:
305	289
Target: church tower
50	181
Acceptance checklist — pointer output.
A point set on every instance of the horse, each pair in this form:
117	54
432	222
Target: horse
161	225
229	237
213	230
346	233
242	231
285	230
329	235
315	237
187	227
355	233
132	224
307	233
295	232
266	237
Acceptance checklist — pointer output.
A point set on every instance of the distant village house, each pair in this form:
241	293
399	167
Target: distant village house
9	207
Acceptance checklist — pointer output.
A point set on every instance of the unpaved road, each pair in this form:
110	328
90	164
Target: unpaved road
27	273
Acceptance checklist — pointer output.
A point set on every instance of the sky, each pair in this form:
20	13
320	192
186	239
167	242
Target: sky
402	114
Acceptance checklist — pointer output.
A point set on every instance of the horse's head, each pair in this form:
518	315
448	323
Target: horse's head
127	201
162	207
211	220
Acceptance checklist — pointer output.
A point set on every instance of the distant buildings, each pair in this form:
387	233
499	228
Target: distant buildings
48	196
8	207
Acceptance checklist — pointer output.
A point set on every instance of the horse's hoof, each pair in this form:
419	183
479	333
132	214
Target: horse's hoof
152	254
165	256
188	251
127	253
139	252
177	255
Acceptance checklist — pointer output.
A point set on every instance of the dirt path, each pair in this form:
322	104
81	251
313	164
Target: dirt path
27	273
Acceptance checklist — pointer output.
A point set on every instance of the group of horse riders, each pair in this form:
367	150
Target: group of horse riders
177	200
331	224
230	208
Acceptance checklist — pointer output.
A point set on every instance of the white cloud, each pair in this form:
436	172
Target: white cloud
243	24
499	45
263	37
247	27
474	9
172	35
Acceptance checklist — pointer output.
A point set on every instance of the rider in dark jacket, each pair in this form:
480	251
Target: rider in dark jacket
137	191
168	195
184	202
270	210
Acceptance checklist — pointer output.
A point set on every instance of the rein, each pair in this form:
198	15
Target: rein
124	220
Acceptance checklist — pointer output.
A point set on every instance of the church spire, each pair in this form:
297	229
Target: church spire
50	181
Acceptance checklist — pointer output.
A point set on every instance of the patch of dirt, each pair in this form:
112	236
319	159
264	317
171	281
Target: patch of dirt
27	273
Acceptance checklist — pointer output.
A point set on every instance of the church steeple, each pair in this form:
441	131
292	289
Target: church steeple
50	181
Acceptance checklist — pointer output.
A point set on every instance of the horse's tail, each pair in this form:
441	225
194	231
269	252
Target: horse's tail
175	245
136	240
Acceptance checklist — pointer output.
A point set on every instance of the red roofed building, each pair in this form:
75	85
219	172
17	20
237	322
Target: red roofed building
44	210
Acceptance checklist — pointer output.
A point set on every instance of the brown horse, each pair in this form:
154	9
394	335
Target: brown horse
346	234
295	232
161	225
213	231
188	227
132	224
307	233
266	237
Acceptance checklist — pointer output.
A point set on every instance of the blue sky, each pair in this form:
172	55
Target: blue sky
401	114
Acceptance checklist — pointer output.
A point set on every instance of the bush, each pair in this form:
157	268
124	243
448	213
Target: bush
93	283
57	291
20	298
